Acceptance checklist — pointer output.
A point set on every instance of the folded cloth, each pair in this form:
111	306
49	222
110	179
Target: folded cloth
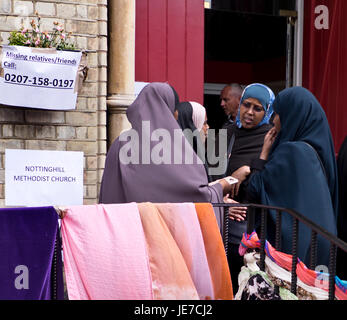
171	279
183	223
105	253
250	241
30	264
341	288
312	278
215	252
319	279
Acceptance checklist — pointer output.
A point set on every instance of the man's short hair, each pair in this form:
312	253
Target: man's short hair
235	88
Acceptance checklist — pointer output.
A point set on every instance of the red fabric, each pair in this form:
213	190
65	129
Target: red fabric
325	62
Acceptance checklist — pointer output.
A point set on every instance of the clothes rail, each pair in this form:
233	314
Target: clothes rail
297	217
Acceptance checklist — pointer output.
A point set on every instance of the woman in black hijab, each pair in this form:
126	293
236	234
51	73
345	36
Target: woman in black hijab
192	134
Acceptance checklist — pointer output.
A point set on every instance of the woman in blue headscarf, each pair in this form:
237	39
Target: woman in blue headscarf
247	134
297	169
247	137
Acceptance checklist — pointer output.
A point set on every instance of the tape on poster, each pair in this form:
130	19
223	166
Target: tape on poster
81	73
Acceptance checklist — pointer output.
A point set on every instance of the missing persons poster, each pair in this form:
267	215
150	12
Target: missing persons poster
43	178
39	78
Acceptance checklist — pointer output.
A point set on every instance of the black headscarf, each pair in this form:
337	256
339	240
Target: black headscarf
177	99
185	116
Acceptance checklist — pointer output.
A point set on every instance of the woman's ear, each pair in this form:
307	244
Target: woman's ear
176	114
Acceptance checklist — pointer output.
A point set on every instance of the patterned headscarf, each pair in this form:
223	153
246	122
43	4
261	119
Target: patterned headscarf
265	96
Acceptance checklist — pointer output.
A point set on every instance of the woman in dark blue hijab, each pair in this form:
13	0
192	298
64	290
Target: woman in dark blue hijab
297	169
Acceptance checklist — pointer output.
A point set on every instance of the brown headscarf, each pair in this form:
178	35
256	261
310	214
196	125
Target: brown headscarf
146	180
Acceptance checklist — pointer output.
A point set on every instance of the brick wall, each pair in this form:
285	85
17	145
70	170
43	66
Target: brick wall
82	129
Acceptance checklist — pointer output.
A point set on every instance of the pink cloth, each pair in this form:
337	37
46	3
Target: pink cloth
183	223
105	254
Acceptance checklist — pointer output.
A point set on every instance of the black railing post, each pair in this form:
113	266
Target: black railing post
294	255
278	230
226	229
54	269
313	257
262	239
250	219
332	271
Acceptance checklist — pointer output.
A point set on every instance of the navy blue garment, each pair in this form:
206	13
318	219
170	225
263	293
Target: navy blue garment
341	267
301	171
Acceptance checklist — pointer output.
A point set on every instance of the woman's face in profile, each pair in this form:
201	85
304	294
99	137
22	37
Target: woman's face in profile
251	113
277	123
205	126
204	130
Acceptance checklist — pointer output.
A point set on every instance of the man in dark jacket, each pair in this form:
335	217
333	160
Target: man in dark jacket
230	99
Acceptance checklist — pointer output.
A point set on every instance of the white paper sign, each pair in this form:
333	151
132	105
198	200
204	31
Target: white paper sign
38	78
43	178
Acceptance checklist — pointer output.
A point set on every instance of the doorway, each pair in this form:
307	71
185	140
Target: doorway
246	41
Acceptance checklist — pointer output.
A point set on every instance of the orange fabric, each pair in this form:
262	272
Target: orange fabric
215	252
171	279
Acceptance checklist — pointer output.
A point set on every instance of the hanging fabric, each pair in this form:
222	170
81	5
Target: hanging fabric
215	252
30	264
171	279
183	223
105	255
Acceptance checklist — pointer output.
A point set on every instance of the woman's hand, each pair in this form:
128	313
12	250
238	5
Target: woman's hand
240	174
225	185
235	213
268	142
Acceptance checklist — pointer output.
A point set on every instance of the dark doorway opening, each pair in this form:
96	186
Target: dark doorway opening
245	42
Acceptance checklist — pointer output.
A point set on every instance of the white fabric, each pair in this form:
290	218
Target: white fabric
199	114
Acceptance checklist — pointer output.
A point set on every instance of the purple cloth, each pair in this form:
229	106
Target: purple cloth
28	256
148	181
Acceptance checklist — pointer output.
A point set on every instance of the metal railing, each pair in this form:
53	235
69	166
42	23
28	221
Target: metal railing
296	218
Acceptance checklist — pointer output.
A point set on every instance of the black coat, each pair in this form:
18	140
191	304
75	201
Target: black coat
247	146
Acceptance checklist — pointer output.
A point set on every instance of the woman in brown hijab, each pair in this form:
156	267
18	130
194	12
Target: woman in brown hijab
148	162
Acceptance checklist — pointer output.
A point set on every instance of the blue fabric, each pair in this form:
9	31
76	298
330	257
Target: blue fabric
265	96
27	242
294	177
